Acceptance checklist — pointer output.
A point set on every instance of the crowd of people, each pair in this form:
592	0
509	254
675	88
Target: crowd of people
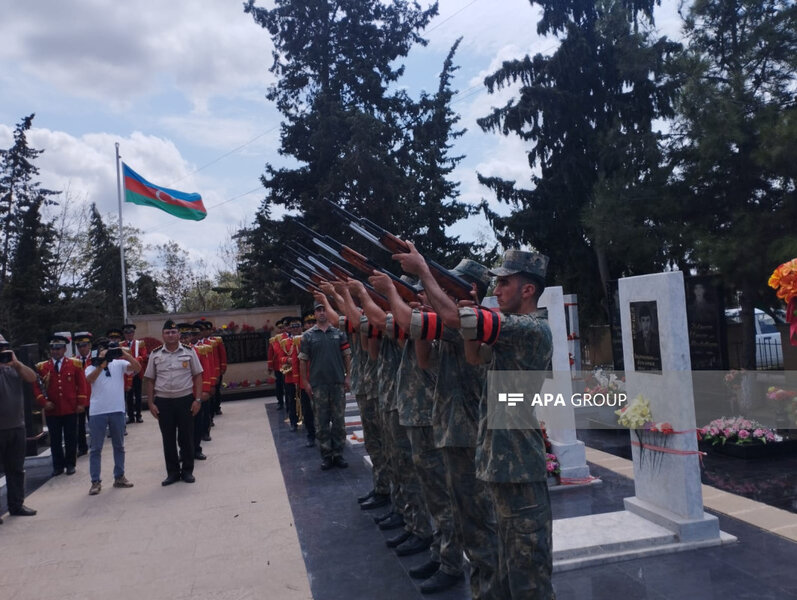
456	486
97	392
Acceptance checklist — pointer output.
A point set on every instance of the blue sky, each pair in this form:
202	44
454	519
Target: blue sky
181	87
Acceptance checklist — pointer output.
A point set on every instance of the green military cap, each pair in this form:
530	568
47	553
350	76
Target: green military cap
185	328
169	324
473	271
520	261
317	305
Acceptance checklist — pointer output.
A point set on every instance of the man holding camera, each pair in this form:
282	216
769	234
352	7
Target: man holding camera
12	427
106	375
65	394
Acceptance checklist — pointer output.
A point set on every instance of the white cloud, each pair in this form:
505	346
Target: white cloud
117	51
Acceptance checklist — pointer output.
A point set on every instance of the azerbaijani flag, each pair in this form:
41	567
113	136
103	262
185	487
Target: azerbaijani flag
180	204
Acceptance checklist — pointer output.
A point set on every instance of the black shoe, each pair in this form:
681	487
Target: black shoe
139	419
424	571
172	478
326	464
218	412
199	456
439	581
391	523
187	477
22	511
294	427
379	518
378	501
340	462
83	452
368	496
70	470
206	438
280	406
398	540
310	443
413	545
129	420
57	472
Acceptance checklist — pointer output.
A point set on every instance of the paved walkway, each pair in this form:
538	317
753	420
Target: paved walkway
228	536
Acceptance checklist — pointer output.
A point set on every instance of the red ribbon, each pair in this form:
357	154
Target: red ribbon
699	453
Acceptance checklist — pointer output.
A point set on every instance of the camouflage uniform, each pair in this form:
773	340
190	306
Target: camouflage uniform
415	398
455	422
407	496
325	351
512	461
373	432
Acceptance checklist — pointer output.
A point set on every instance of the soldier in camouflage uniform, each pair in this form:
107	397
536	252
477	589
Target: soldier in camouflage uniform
512	461
416	386
409	497
455	418
365	388
327	351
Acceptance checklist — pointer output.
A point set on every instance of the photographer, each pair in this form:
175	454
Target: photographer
107	378
12	427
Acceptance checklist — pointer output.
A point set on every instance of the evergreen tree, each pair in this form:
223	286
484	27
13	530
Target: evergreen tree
144	298
19	193
351	133
733	156
588	111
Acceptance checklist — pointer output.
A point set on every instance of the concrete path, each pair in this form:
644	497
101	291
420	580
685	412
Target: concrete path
229	536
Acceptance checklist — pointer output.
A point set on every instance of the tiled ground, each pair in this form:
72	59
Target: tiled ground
346	556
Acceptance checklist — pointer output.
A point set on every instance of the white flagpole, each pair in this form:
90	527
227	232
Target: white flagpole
121	234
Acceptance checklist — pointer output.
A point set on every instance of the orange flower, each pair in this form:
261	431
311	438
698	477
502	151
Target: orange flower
784	280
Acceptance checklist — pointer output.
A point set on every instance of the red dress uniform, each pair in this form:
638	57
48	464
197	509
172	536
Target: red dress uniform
67	388
138	350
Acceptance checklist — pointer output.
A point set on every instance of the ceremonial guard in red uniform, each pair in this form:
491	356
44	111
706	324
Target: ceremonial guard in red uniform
83	340
63	392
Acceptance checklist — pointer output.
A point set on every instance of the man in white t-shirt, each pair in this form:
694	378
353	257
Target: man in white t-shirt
106	376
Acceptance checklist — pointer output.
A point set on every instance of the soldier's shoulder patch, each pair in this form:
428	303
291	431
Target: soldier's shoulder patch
76	361
157	349
186	346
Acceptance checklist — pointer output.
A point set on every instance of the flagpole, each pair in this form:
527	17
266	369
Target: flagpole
121	233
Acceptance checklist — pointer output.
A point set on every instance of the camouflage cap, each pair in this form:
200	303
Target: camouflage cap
473	271
317	305
520	261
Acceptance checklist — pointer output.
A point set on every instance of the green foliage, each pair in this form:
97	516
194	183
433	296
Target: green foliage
588	111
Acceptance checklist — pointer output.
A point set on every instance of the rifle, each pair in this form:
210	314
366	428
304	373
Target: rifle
357	260
314	277
298	281
454	285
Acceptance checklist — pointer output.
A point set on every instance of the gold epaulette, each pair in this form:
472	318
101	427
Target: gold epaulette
297	342
156	349
40	365
76	361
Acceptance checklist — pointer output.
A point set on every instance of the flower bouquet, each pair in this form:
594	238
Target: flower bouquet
784	281
651	435
606	383
736	430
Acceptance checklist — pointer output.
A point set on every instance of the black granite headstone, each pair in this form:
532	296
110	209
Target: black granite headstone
705	317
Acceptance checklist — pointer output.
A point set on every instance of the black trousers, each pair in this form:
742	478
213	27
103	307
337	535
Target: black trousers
201	425
279	387
12	459
216	399
307	415
63	440
290	403
133	398
177	427
82	445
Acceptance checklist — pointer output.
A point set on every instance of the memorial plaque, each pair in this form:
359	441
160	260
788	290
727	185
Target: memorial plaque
705	314
645	329
246	347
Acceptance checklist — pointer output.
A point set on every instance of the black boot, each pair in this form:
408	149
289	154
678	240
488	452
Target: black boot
424	571
439	582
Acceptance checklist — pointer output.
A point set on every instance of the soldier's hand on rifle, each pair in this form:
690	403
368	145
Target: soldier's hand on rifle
327	288
411	262
339	286
474	301
381	282
356	287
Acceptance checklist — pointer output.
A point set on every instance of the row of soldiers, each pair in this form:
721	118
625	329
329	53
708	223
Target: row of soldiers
419	376
63	392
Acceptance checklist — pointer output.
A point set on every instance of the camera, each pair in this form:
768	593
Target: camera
113	353
6	356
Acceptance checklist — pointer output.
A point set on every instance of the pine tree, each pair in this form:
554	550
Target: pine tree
19	192
732	158
588	111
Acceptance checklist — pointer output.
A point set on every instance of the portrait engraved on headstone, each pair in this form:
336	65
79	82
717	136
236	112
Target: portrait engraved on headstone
645	327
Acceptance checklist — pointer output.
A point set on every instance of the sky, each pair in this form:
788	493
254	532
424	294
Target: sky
181	85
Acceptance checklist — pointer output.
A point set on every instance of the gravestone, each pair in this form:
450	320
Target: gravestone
667	482
560	421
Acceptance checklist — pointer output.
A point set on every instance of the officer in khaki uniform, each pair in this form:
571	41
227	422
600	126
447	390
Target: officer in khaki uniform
173	381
